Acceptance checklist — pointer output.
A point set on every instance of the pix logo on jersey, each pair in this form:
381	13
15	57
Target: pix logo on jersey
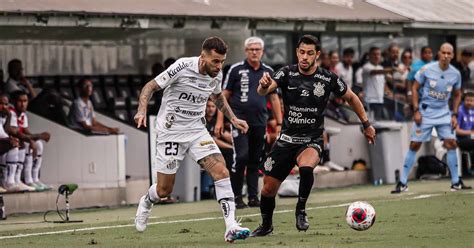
192	98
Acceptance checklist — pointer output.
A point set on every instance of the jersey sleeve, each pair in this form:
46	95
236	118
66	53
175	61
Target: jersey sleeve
338	86
25	121
281	76
13	119
420	76
457	83
217	80
170	75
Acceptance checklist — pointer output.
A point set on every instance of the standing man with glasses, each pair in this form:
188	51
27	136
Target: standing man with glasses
240	88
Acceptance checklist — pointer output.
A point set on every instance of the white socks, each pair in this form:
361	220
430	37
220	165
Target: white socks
19	167
37	161
11	160
225	197
152	194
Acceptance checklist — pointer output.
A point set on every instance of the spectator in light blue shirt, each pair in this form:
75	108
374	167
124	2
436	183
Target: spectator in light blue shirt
426	58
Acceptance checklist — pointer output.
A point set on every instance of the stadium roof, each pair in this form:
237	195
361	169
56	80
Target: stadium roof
431	11
344	10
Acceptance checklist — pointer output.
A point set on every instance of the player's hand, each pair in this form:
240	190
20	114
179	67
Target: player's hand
114	130
454	122
240	124
140	119
266	80
45	136
14	142
278	130
218	129
417	117
369	134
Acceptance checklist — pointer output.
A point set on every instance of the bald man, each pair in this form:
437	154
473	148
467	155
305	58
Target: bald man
431	110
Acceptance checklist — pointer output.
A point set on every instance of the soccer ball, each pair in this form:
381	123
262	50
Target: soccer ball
360	216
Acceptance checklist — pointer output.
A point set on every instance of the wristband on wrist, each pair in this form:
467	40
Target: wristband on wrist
366	124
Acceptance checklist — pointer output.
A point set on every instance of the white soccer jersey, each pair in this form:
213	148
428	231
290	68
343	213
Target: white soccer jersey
185	95
3	134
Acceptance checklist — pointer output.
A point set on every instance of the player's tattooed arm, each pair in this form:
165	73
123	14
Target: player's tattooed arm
223	106
147	92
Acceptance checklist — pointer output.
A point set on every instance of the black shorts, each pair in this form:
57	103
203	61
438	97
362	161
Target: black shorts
282	157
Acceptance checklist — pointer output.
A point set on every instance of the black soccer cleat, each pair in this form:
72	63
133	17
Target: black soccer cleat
239	203
399	188
302	223
262	231
254	202
459	186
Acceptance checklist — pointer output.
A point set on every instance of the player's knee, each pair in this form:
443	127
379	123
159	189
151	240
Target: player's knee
415	146
269	190
164	191
219	172
450	144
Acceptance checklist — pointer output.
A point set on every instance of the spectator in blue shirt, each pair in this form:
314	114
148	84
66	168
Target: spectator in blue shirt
426	58
464	130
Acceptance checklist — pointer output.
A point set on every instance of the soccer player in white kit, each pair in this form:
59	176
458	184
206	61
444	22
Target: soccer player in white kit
181	130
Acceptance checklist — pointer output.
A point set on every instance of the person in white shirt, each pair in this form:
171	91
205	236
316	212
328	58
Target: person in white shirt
8	150
30	155
16	79
344	69
82	115
187	84
374	85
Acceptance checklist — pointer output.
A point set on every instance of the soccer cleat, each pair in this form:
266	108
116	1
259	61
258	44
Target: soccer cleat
13	188
302	223
2	189
459	186
239	203
262	231
400	188
143	212
254	202
236	232
24	187
37	187
44	187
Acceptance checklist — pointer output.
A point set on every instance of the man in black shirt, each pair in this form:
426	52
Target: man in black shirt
306	89
240	89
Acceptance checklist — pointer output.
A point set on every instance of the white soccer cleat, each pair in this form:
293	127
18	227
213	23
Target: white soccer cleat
24	187
236	232
143	212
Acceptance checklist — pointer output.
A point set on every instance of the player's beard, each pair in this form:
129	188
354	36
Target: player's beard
210	72
310	65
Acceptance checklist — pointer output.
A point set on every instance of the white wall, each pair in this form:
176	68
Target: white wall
71	157
136	149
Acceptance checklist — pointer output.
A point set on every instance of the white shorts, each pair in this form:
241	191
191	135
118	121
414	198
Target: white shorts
169	154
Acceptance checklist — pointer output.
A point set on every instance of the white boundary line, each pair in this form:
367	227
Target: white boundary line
194	220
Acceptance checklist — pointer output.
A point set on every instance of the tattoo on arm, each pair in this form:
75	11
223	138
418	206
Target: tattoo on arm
146	94
209	162
222	105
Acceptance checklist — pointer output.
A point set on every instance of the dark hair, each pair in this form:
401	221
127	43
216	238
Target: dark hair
332	52
82	81
466	53
168	62
214	43
373	49
348	51
15	95
310	40
12	63
425	48
468	94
